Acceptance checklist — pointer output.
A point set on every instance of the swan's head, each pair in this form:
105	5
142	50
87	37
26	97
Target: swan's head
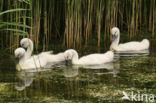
115	33
25	42
68	55
19	53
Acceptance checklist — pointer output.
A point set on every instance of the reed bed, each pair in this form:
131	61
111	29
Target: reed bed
72	22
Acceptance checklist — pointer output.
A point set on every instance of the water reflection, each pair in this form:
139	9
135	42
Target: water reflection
110	68
107	68
131	53
25	79
71	71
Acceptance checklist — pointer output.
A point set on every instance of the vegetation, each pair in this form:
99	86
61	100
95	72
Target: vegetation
72	22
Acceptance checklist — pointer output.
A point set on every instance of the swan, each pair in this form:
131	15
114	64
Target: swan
130	46
91	59
28	44
36	61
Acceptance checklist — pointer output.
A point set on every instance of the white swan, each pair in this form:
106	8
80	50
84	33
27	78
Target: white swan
91	59
130	46
36	61
28	44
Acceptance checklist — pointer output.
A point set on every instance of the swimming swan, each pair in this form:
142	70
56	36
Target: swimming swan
91	59
130	46
36	61
28	44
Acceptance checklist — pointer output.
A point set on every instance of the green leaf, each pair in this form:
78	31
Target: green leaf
12	10
15	30
16	24
2	25
21	34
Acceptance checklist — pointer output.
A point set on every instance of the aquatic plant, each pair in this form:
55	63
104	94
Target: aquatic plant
13	23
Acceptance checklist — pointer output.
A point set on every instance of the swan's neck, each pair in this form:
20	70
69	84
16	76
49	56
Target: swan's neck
115	43
75	57
29	49
22	59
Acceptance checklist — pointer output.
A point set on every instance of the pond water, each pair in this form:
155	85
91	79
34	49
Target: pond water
129	72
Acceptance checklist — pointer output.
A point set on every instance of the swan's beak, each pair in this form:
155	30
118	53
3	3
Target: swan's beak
16	60
113	37
22	45
111	49
25	48
68	62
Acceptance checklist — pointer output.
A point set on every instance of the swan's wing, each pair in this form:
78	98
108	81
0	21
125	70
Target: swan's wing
97	58
46	52
130	46
134	45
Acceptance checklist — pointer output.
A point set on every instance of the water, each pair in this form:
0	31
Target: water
82	84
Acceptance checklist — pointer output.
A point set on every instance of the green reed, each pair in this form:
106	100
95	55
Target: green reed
73	22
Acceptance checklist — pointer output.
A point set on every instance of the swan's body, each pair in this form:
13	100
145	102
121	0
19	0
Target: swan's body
91	59
36	61
130	46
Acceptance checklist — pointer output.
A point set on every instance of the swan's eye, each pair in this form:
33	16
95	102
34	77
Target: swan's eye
22	45
17	55
67	57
